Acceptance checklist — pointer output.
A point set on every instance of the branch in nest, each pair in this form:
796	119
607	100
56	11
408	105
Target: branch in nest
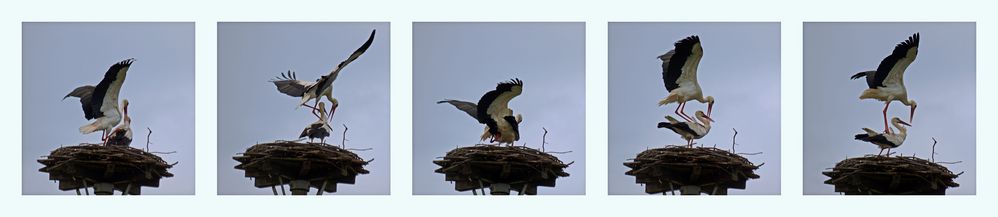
147	138
754	153
944	162
558	152
544	139
733	139
933	155
369	161
343	143
360	149
159	152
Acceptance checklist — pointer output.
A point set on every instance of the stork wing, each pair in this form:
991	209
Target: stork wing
679	65
113	76
288	84
84	93
891	69
336	71
467	107
495	104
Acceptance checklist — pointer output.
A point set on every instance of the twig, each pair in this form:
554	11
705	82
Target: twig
360	149
343	143
158	152
544	139
733	140
934	149
944	162
147	138
754	153
558	152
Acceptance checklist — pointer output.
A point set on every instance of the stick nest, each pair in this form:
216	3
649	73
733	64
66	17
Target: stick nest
81	166
521	167
714	170
890	176
277	163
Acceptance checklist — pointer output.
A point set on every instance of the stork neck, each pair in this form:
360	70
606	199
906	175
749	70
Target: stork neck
901	129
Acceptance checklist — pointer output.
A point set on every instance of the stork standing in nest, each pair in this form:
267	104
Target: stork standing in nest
886	140
679	72
689	130
320	128
100	103
887	82
493	111
289	84
122	135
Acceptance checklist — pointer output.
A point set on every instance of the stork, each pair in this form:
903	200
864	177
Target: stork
320	128
122	135
100	103
887	82
289	84
493	111
679	72
886	140
689	130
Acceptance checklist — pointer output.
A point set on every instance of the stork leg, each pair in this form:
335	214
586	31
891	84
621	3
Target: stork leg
880	153
680	114
886	129
888	152
315	109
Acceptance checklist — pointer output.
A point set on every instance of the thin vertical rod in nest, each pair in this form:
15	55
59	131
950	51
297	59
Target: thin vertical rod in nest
77	189
147	138
273	188
481	186
733	140
343	143
544	139
85	188
934	149
127	190
523	191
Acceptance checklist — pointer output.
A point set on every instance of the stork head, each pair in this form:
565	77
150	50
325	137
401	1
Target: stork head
519	118
124	106
897	120
710	105
703	117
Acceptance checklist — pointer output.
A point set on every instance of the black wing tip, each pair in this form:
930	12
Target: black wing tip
912	41
862	136
663	124
126	62
692	39
514	82
858	75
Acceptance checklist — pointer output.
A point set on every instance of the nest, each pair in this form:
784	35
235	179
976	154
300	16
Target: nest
522	168
84	165
322	165
890	176
713	170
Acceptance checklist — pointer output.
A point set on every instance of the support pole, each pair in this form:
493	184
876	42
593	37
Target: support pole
299	187
689	190
103	189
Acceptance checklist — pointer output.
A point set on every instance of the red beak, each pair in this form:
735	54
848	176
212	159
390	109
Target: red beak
911	116
710	107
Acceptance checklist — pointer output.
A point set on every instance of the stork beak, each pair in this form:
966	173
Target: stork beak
710	107
911	116
709	119
904	123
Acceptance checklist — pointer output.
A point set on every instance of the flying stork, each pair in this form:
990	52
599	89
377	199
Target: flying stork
679	72
887	82
886	140
100	103
288	83
689	130
122	135
493	111
320	128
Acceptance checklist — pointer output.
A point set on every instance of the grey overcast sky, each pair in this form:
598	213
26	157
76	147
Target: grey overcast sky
251	110
58	57
464	60
740	68
941	80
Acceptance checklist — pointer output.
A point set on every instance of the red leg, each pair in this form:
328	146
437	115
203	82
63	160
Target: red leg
678	108
683	111
886	129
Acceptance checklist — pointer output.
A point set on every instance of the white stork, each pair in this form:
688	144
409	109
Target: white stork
887	140
320	128
679	72
323	86
689	130
122	135
887	82
100	103
493	111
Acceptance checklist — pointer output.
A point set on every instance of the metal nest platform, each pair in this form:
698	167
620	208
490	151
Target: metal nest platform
691	170
105	168
876	175
300	165
501	168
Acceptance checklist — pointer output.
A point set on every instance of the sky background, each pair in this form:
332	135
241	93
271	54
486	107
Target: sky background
740	68
251	110
58	57
941	80
463	61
